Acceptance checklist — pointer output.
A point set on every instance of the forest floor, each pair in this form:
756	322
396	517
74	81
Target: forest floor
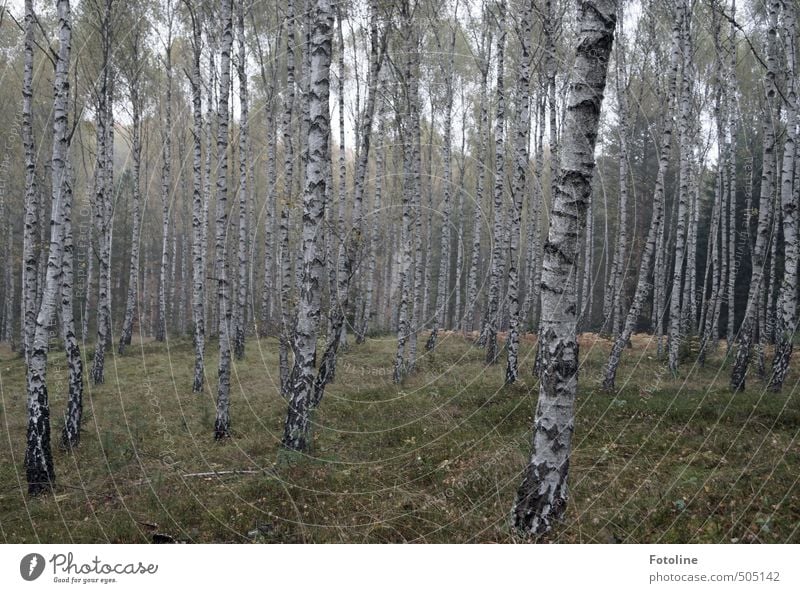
437	459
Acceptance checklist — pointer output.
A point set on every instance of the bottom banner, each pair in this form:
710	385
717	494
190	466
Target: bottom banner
371	568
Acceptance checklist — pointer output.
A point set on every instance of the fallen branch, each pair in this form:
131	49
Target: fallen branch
232	472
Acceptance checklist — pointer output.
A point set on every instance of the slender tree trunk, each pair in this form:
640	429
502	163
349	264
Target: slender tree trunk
198	219
352	249
30	257
296	431
104	189
166	184
240	316
286	203
209	311
535	257
542	497
478	217
38	456
675	337
519	187
71	435
619	265
456	312
787	307
747	328
87	293
443	277
496	267
223	421
136	156
643	287
732	236
409	129
377	215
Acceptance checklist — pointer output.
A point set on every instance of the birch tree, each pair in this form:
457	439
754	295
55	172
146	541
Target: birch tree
198	207
244	158
296	429
288	173
521	142
542	497
223	420
103	190
409	131
747	328
30	257
675	337
166	178
496	267
39	469
483	60
71	435
787	306
133	74
444	257
643	287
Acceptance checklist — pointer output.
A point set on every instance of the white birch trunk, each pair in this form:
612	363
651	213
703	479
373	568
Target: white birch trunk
747	328
786	318
223	420
286	203
296	431
643	287
542	497
134	88
198	217
675	337
38	456
496	267
519	187
242	285
30	257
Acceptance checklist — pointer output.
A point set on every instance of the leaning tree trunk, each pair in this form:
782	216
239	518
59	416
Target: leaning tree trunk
643	287
787	307
223	419
519	187
746	330
38	455
542	497
296	429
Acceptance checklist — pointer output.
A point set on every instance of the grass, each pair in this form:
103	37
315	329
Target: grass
437	459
